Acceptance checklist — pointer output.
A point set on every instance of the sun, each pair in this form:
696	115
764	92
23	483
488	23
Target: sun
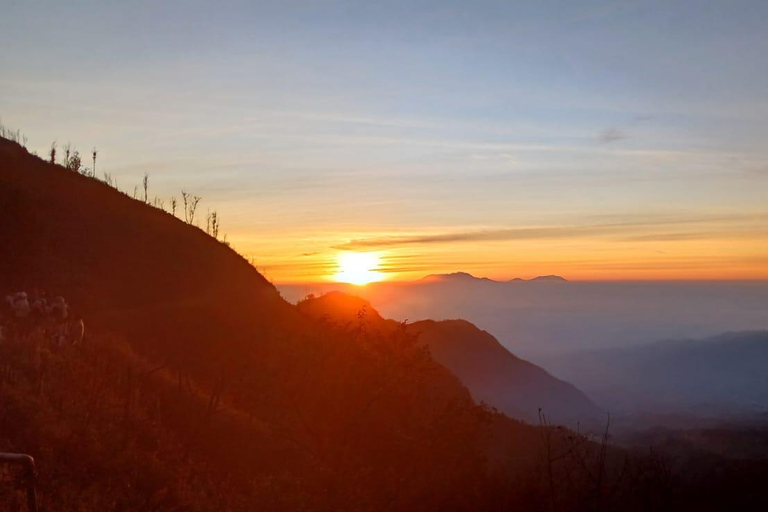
358	268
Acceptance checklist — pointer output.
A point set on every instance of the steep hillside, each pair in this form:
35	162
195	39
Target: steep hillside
492	374
131	269
357	420
496	376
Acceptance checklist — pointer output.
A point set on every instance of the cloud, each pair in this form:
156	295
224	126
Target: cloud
460	236
617	228
612	135
495	157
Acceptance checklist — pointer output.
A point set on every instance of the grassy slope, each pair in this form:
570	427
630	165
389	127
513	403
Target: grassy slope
356	420
493	374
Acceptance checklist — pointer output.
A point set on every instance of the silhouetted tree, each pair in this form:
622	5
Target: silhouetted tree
193	208
185	200
190	206
215	225
73	163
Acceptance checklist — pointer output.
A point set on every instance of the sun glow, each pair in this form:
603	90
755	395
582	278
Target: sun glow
358	268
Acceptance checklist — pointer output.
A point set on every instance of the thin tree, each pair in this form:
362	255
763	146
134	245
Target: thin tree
215	225
190	206
145	181
52	152
193	208
185	199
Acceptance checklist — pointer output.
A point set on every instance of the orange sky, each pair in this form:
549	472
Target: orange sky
670	248
508	140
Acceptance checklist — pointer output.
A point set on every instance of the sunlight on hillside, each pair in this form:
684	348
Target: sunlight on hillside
358	268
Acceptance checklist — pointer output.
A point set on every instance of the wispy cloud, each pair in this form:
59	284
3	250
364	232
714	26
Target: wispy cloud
612	135
726	226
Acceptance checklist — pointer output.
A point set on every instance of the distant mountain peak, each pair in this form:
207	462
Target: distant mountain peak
455	276
492	373
467	277
550	278
540	279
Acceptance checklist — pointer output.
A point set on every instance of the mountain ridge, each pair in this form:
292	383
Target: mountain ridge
492	373
163	300
467	277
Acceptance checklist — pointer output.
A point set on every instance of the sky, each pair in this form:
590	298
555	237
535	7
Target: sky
598	140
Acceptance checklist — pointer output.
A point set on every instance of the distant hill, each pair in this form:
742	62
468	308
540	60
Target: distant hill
458	277
493	374
708	376
549	279
540	321
454	277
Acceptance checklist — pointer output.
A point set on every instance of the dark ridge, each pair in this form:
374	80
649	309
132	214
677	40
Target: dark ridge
459	277
492	373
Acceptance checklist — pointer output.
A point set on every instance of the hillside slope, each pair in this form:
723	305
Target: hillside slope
127	267
496	376
492	373
352	416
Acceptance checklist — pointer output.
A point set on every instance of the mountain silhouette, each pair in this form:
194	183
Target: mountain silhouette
193	364
496	376
549	279
454	277
493	374
458	277
133	270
